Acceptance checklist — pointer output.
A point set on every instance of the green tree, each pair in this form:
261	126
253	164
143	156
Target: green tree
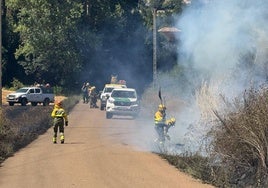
63	41
10	42
45	28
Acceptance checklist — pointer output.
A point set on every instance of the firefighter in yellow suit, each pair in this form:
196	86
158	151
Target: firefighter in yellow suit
162	124
159	120
60	119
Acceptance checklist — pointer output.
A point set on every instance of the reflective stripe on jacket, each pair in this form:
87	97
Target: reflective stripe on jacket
59	112
159	118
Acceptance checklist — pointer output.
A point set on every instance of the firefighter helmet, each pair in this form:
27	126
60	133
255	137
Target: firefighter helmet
162	107
58	103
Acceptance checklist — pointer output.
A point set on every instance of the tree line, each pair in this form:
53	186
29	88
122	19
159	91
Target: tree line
69	42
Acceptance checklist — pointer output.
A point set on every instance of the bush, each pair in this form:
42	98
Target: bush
57	90
240	140
16	84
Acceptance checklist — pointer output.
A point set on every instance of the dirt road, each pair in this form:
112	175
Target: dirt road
98	153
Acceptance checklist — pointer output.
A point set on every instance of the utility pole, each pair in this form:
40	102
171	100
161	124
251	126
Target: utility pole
154	49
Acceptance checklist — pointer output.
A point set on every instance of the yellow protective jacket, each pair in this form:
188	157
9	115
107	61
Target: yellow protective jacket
59	112
159	118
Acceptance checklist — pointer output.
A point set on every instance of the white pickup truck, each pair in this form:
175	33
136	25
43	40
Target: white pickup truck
106	93
122	102
34	95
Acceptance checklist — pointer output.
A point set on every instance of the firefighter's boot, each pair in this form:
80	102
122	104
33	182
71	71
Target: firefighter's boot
54	140
61	138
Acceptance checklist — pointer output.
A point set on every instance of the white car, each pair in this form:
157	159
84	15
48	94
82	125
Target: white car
34	95
106	93
123	102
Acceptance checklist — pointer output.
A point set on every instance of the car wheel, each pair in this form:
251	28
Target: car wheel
46	102
11	103
109	115
23	102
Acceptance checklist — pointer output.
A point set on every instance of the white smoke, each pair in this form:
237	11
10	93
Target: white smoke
215	36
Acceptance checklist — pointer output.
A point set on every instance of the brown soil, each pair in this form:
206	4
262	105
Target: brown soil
97	153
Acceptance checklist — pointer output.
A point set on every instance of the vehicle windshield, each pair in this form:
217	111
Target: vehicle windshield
124	94
108	90
22	90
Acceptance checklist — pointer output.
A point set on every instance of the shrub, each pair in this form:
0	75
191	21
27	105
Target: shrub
240	140
16	84
57	90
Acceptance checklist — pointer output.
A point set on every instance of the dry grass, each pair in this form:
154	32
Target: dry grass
240	140
20	125
4	94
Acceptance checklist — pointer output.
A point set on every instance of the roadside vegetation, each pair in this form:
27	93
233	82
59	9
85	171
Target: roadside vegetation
236	151
239	141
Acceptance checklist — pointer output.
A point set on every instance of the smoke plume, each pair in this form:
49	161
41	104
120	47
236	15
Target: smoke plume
223	48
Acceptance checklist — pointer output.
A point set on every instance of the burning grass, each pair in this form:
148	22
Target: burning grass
236	140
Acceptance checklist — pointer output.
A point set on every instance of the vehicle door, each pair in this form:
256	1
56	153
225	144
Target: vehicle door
31	95
38	95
